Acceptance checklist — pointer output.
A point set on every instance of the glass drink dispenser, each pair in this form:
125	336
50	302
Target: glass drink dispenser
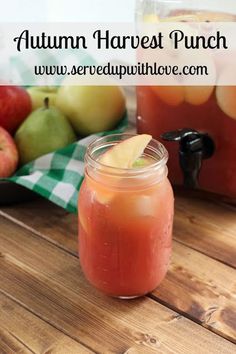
199	133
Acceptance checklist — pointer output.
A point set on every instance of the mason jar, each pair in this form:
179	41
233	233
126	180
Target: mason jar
125	221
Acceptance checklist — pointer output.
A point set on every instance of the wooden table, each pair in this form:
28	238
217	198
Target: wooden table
46	305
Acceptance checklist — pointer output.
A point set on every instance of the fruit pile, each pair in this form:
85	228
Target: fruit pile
40	120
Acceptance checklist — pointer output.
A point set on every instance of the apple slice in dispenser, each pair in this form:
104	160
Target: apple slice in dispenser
226	95
197	95
171	95
199	87
226	99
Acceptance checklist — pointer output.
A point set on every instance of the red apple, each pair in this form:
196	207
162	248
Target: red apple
15	106
9	156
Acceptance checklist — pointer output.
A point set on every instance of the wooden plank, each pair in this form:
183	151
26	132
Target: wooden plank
34	333
195	284
48	281
199	286
205	226
59	305
208	227
11	345
47	220
203	288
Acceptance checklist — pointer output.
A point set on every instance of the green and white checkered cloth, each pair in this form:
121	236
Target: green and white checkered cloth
58	176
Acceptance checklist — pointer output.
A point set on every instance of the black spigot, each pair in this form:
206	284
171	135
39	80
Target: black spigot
194	147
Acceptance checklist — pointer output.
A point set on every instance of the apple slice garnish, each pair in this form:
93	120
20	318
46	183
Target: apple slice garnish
226	94
125	153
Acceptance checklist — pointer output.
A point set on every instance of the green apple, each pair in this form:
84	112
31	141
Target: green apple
91	109
39	93
44	131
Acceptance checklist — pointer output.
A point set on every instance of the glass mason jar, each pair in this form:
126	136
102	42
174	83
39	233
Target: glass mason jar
125	221
211	109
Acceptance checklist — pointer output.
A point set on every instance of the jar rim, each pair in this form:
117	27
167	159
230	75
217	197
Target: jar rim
110	140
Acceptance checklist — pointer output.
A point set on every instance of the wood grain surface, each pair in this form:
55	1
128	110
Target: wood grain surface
10	344
207	226
37	335
47	282
197	284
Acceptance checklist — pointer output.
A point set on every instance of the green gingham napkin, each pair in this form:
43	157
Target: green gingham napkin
58	176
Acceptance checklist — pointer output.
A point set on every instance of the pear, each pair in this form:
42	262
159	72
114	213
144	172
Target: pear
44	131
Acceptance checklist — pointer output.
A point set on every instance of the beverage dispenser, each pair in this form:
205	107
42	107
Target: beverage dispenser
199	132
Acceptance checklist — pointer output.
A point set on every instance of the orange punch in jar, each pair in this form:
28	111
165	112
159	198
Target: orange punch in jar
125	220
